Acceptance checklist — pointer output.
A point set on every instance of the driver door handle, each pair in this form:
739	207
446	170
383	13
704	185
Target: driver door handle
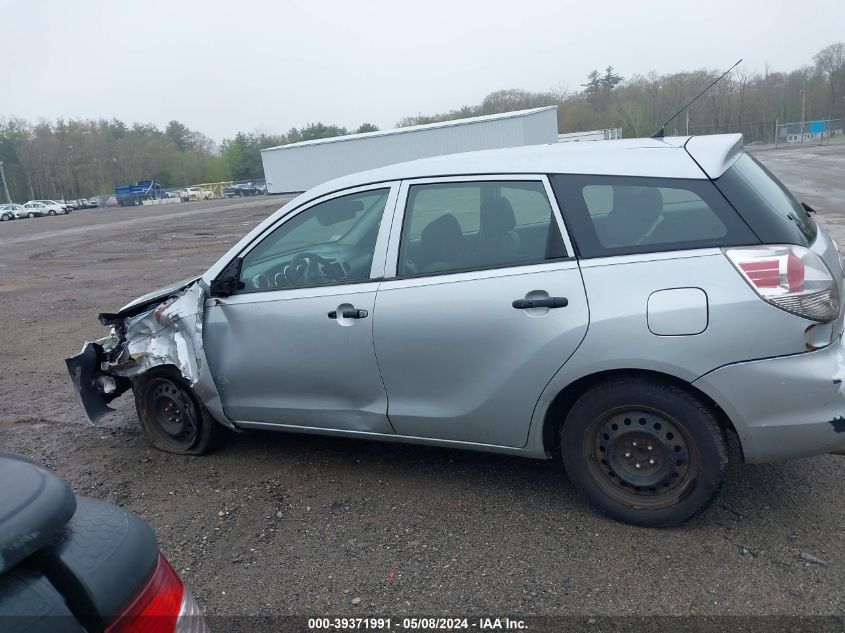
350	314
551	302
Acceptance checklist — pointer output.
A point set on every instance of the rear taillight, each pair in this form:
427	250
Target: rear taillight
793	278
163	605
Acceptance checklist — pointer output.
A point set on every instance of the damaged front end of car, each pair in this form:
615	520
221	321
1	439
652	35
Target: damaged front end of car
158	330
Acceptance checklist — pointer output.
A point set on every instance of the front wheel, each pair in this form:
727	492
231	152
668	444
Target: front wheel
644	452
51	212
30	215
171	416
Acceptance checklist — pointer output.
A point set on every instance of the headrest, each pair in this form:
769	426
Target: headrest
497	217
637	204
651	199
635	210
442	238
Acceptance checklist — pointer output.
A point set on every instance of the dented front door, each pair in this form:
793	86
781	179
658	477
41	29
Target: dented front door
281	359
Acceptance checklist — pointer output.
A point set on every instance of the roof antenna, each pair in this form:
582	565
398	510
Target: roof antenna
659	132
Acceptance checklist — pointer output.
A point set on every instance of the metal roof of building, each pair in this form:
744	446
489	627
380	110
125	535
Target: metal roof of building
415	128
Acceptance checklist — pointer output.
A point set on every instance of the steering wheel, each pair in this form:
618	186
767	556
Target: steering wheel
310	268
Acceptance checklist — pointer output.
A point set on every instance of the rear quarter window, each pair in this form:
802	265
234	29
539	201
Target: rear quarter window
620	215
765	203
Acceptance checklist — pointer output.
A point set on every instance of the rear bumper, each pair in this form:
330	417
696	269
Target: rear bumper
785	407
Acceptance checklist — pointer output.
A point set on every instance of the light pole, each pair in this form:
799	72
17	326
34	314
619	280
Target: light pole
5	186
803	102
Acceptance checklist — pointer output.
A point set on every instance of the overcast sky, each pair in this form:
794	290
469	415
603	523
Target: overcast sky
220	67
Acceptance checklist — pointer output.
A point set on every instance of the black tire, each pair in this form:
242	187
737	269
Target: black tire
5	217
51	212
173	419
644	452
30	215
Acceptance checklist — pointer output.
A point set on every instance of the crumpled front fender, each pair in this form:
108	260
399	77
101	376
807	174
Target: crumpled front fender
167	333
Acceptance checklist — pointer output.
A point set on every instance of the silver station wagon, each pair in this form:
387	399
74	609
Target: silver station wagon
621	305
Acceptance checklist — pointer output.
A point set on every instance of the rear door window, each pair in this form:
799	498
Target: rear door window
612	215
457	226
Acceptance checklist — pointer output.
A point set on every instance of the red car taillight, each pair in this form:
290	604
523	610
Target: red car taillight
163	605
793	278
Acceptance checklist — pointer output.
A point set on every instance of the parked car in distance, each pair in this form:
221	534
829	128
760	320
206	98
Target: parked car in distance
94	203
9	212
64	204
243	189
111	201
620	305
37	209
20	211
52	207
195	193
71	564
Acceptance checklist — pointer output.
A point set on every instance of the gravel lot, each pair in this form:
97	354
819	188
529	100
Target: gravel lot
282	524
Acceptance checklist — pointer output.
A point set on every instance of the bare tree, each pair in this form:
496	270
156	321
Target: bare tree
830	61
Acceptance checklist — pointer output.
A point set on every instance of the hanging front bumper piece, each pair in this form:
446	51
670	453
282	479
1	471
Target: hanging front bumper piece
94	388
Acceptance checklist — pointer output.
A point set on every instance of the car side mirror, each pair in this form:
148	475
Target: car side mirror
228	282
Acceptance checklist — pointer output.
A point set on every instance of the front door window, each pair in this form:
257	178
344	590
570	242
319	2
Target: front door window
331	242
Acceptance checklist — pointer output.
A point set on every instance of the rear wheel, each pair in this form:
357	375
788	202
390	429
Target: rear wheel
5	217
30	215
644	452
171	416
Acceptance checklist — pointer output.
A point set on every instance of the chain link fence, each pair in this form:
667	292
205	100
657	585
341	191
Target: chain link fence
819	132
752	131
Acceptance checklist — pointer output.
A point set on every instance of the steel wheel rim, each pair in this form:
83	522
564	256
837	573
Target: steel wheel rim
641	457
173	413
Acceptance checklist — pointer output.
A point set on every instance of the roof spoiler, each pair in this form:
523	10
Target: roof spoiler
714	153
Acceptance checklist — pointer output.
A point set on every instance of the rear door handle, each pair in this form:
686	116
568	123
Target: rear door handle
350	314
551	302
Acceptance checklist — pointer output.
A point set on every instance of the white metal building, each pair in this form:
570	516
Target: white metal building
300	166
